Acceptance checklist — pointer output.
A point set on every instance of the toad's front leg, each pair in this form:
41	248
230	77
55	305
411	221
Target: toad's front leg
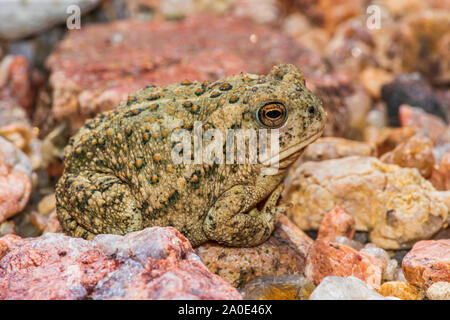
234	220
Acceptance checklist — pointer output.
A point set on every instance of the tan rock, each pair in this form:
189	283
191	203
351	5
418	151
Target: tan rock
428	262
372	79
283	253
331	259
396	205
439	291
400	289
417	153
336	222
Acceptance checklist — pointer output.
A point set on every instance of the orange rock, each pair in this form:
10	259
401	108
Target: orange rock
400	289
331	259
337	222
427	262
417	152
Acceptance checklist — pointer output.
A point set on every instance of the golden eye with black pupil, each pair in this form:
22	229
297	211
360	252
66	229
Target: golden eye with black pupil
272	115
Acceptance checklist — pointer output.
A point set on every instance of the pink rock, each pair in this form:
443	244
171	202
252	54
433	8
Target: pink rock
155	263
427	262
331	259
337	222
15	182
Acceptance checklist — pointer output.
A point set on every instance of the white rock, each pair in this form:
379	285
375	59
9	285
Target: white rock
390	272
19	18
351	288
439	291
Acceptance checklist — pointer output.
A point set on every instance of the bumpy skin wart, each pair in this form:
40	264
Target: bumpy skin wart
119	176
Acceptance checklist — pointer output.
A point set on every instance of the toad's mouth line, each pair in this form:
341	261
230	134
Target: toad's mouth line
285	157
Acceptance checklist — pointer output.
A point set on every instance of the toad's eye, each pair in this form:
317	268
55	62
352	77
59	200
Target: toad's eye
272	115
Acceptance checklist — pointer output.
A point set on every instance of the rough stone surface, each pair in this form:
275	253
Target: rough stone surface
427	262
335	223
327	258
339	288
401	290
396	205
122	57
439	291
15	180
19	19
155	263
283	253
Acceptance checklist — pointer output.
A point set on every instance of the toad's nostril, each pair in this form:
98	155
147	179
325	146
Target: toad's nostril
312	109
